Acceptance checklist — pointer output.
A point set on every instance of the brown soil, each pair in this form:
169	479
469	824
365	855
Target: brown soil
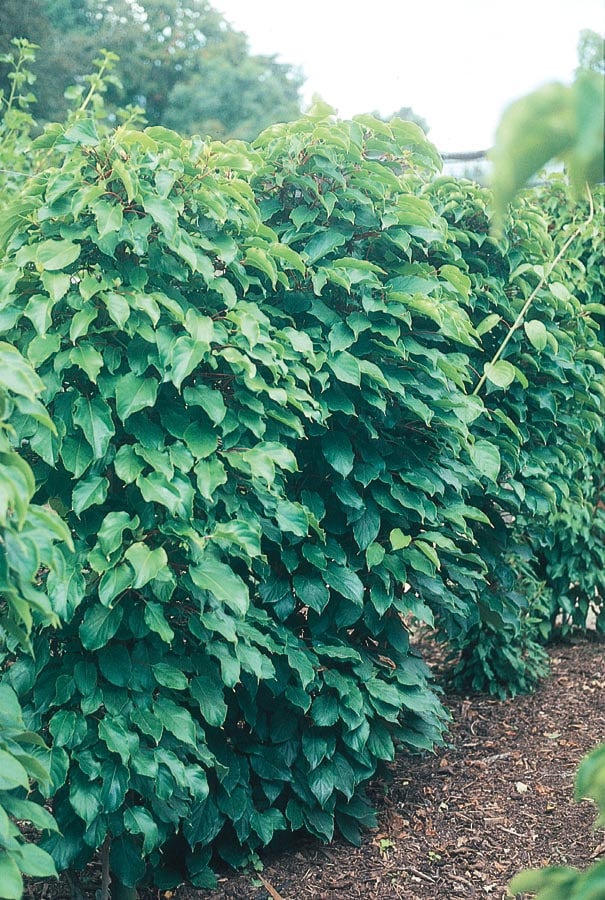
462	822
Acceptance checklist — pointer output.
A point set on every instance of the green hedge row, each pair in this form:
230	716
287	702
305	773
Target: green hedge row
275	454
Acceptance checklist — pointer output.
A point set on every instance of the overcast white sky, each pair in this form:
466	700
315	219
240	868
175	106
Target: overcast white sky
457	63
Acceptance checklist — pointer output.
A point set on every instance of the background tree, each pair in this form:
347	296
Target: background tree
591	51
181	62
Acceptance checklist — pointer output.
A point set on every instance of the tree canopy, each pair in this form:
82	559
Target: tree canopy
180	61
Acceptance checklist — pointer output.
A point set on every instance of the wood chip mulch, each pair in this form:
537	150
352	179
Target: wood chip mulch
463	821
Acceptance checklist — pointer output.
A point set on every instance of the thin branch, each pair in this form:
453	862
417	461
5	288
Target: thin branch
546	275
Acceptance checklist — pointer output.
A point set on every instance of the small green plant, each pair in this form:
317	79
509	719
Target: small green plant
384	845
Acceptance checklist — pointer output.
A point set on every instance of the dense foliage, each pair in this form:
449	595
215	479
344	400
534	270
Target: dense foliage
31	537
567	549
543	417
300	398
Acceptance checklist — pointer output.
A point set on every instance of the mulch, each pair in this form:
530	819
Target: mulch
460	822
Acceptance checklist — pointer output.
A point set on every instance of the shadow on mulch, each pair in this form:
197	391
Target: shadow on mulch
463	821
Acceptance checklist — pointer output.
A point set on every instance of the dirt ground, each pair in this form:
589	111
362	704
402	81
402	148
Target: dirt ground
461	822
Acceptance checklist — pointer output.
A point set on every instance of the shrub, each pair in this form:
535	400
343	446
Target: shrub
220	674
261	362
543	398
568	548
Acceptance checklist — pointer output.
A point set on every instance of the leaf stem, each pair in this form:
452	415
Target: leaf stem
546	275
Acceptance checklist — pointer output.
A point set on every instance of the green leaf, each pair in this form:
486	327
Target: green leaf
267	823
429	551
109	216
536	333
375	554
486	457
93	416
28	811
292	517
345	581
169	676
10	878
457	279
84	799
12	773
128	464
164	213
187	353
346	368
114	582
118	738
302	215
227	587
155	488
134	393
201	441
210	475
312	592
16	374
207	690
292	259
324	710
321	782
99	625
63	727
242	534
366	528
11	716
58	767
260	259
156	621
323	243
112	529
337	449
54	255
125	859
590	781
117	307
489	322
88	359
80	322
147	723
115	778
83	132
38	311
501	373
147	564
138	820
175	719
115	664
91	491
558	879
532	130
398	539
204	823
210	400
